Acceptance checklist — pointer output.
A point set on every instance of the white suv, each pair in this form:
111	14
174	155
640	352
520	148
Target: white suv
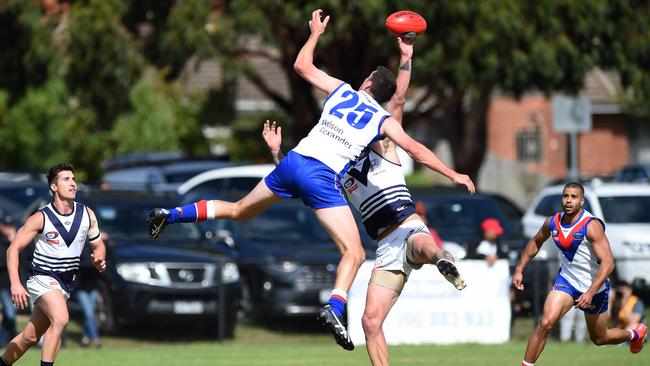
625	209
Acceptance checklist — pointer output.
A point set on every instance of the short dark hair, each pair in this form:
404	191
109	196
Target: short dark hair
56	169
383	84
575	185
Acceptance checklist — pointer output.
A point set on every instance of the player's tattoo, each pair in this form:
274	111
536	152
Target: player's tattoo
277	156
406	66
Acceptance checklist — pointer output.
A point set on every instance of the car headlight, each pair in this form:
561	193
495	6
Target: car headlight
229	273
284	267
146	273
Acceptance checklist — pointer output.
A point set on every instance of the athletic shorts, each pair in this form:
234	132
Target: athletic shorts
303	177
599	303
391	250
40	284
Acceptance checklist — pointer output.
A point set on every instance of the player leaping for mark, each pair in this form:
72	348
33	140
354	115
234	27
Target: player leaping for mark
582	282
312	170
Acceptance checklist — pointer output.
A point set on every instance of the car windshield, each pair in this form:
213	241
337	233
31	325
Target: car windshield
284	224
626	209
25	195
459	218
128	222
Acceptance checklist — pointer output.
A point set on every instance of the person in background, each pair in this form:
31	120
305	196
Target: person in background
628	309
7	234
488	246
573	319
86	293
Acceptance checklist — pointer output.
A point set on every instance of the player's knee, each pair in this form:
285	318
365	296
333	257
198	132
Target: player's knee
598	340
59	323
371	324
29	338
545	325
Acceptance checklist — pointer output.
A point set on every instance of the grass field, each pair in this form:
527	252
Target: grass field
258	346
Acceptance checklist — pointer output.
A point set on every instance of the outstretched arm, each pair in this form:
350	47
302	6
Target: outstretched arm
396	104
304	64
530	251
272	134
393	129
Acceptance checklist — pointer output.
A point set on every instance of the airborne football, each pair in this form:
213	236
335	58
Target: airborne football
406	23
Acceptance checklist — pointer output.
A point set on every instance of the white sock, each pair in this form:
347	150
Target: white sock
631	333
527	363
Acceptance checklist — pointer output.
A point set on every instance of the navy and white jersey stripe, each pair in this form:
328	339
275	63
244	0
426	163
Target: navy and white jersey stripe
377	189
60	243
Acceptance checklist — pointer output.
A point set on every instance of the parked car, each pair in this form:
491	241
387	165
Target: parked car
639	173
17	196
221	181
181	277
623	207
155	171
286	259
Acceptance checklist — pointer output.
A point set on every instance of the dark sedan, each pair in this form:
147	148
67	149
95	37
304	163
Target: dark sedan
178	278
287	261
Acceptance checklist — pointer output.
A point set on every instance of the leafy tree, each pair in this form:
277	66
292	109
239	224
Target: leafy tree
470	50
161	119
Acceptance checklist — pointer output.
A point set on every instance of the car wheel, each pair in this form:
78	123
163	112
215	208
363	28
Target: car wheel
246	313
105	315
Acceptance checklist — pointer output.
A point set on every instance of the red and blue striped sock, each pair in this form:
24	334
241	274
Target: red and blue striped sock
337	301
194	212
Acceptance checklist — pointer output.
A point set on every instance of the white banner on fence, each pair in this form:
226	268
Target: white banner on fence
431	310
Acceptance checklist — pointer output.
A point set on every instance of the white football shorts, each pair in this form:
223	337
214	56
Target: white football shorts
391	250
40	284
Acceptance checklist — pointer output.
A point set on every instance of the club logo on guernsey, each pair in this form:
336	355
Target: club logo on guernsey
52	237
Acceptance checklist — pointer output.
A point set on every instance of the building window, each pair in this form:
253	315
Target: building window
529	145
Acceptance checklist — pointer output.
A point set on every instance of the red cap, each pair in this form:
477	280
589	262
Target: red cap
492	224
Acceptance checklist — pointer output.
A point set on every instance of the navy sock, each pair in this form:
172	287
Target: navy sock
3	362
45	363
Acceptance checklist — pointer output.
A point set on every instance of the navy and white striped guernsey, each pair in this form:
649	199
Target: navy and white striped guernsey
377	189
60	243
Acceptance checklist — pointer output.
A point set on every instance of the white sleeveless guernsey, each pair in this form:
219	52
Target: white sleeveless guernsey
579	263
350	121
376	187
60	243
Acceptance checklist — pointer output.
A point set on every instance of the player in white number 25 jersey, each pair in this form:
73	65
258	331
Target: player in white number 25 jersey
351	120
374	185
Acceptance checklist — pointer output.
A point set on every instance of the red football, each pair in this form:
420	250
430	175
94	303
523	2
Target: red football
406	21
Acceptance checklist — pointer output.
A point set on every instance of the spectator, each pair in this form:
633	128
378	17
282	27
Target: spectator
573	320
421	210
488	246
628	309
86	293
7	233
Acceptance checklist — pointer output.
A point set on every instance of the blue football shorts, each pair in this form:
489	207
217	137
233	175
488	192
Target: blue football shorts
599	303
304	177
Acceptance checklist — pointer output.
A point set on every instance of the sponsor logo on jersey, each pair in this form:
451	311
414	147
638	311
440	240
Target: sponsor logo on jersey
53	242
54	283
52	235
578	236
554	233
349	185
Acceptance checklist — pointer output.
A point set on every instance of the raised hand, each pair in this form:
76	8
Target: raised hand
272	134
316	25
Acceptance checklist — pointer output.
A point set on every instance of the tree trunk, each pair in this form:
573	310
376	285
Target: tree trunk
466	130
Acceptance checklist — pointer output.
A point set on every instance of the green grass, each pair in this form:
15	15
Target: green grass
259	346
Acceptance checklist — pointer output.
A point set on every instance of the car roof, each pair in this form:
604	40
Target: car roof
605	189
244	171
